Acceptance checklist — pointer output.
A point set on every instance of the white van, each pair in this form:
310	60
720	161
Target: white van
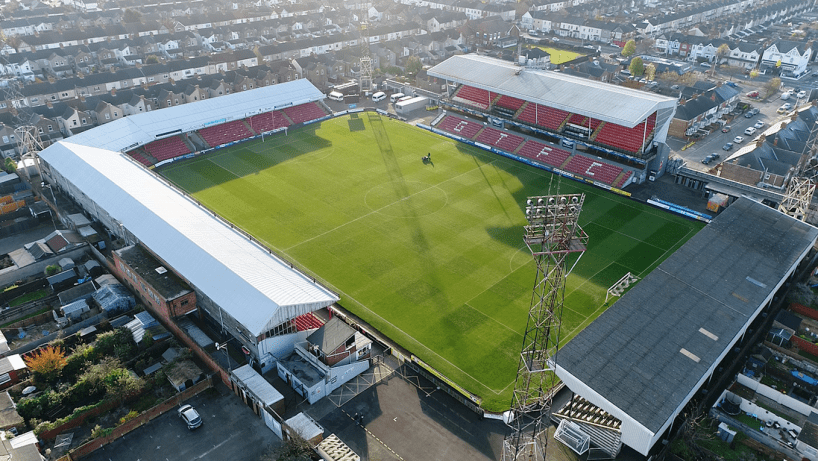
336	96
396	97
379	96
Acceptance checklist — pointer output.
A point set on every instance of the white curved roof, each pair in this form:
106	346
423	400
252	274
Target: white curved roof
603	101
253	286
128	132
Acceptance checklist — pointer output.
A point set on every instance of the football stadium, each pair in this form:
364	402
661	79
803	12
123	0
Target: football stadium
271	207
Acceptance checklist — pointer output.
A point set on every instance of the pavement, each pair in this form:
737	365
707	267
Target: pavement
230	431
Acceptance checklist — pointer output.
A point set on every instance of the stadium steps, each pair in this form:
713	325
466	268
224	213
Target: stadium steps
287	118
562	125
520	110
494	101
146	156
519	147
620	178
566	162
189	144
478	133
196	139
249	128
596	132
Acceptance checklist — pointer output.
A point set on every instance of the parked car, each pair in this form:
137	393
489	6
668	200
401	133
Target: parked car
801	94
749	131
758	124
715	156
190	416
674	87
752	94
754	110
738	139
726	129
727	146
705	64
748	114
707	159
784	108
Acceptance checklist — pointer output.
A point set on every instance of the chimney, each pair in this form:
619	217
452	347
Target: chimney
113	91
775	141
49	105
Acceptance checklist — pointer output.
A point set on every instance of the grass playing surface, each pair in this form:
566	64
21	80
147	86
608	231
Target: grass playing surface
430	254
559	56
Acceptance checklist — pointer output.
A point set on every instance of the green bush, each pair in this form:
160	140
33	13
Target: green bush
100	432
52	269
131	415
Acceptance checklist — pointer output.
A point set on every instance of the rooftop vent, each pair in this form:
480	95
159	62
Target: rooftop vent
161	270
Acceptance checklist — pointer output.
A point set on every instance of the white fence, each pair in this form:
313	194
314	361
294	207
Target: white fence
775	395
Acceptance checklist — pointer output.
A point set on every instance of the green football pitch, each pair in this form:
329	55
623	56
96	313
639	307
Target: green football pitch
430	254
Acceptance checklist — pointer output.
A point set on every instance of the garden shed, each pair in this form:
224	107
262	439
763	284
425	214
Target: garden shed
74	310
250	385
114	299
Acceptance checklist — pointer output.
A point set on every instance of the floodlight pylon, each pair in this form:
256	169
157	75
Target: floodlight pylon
553	235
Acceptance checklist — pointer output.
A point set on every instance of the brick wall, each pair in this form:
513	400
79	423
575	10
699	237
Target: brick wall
804	310
804	345
152	413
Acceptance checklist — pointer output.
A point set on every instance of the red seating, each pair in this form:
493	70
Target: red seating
546	117
505	141
307	321
460	127
269	121
140	158
629	139
544	153
510	103
167	148
577	119
225	133
304	112
474	96
593	169
624	179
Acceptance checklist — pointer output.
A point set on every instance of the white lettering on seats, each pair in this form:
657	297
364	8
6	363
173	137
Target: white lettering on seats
545	150
462	124
502	135
589	172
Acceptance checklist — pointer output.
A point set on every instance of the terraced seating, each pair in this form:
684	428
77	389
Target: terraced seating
269	121
510	103
140	158
167	148
460	127
593	169
225	133
546	117
628	139
304	112
473	96
544	153
624	179
505	141
307	321
577	119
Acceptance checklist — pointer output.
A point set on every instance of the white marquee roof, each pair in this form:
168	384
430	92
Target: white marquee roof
611	103
254	287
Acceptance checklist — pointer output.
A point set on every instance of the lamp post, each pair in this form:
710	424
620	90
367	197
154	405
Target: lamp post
223	347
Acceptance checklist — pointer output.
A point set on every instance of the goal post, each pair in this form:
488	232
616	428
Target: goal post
618	288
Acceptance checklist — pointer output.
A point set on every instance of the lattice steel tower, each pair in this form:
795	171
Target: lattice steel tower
26	135
366	58
552	235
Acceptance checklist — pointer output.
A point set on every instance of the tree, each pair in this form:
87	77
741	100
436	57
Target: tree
52	269
46	364
644	45
722	51
629	49
668	77
132	16
10	165
772	86
650	72
294	448
688	79
152	59
120	383
413	65
754	73
637	67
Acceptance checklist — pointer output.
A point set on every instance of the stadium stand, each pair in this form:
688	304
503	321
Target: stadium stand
577	119
624	179
140	158
167	148
546	117
507	102
460	127
225	133
497	138
543	153
473	96
629	139
304	112
269	121
593	169
307	321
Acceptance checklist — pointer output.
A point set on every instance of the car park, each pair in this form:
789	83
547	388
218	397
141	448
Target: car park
749	131
726	129
758	124
738	139
727	146
190	416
